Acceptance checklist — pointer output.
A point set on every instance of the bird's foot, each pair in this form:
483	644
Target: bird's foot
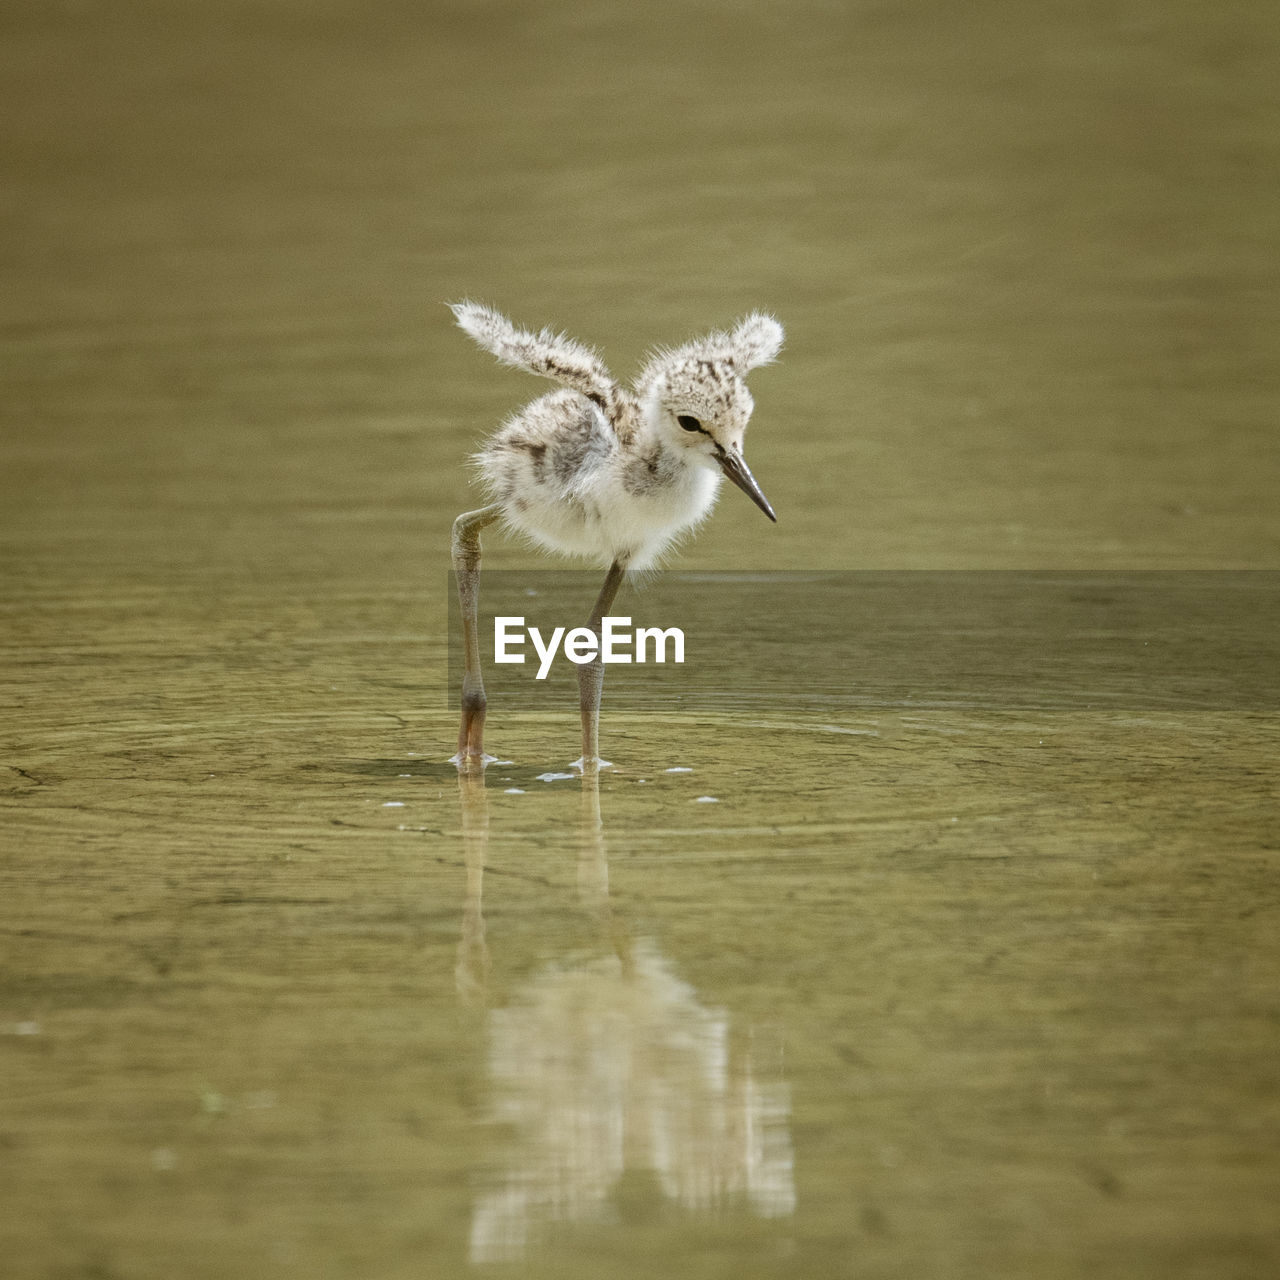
583	765
470	761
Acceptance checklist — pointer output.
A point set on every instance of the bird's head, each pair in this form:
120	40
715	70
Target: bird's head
697	401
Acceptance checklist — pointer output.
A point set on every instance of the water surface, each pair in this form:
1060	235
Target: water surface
818	989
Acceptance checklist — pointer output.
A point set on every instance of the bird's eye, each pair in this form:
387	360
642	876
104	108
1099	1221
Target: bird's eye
688	423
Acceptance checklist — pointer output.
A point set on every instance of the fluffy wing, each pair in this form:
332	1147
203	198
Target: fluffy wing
755	340
549	355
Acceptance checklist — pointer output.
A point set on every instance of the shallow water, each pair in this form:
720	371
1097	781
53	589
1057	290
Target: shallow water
802	987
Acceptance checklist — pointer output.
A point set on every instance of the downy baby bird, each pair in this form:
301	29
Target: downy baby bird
598	470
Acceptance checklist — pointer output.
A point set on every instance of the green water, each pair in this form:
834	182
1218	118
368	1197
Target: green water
870	992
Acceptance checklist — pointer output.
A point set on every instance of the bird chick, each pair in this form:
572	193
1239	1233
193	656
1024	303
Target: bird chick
603	471
619	474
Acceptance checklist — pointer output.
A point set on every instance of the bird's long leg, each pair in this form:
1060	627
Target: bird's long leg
591	674
466	567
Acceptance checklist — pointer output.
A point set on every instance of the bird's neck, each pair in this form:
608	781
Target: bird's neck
649	426
630	419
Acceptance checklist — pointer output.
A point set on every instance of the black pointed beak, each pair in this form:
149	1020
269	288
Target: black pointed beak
737	470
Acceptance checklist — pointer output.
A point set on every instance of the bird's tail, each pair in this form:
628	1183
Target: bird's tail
550	355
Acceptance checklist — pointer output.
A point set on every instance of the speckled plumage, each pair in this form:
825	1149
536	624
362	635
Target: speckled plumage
604	471
607	472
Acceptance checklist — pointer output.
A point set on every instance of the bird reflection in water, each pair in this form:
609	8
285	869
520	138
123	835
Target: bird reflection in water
607	1067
